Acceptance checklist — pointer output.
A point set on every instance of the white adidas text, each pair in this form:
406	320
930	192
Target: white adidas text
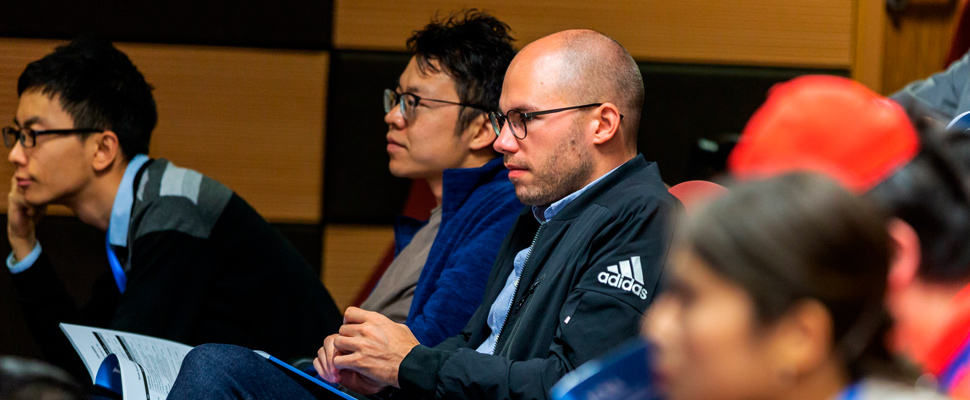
626	275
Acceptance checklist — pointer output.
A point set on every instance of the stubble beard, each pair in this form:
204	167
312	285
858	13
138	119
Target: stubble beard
563	172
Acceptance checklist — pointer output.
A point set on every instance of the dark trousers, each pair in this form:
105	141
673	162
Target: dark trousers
222	371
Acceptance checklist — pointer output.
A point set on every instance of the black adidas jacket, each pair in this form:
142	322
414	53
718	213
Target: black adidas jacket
567	309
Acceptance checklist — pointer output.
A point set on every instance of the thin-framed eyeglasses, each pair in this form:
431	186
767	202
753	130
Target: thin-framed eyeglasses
517	119
28	137
408	102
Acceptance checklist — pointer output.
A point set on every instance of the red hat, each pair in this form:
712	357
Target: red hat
826	124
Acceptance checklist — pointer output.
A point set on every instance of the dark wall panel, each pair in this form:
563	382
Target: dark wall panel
357	185
684	103
301	24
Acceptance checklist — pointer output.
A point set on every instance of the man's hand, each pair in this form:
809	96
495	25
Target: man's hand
22	220
324	361
349	378
368	351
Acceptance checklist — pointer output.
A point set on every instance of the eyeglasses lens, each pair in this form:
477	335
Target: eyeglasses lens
497	122
10	136
517	124
390	99
408	104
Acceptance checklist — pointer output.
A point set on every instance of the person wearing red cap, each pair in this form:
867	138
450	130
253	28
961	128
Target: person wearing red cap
866	142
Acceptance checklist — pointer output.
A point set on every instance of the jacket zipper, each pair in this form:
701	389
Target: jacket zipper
525	295
516	286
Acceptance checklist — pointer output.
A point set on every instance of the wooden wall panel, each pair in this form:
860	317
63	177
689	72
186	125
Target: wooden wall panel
810	33
869	46
252	119
350	253
917	43
14	56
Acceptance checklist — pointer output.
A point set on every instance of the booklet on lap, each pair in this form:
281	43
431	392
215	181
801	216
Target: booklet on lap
143	367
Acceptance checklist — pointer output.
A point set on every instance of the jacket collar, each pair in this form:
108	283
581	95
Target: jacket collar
457	186
459	183
636	165
124	199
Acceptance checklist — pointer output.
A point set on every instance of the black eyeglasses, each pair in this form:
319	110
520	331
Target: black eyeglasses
408	102
28	137
517	119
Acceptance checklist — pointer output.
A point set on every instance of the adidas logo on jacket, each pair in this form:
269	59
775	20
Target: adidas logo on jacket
628	275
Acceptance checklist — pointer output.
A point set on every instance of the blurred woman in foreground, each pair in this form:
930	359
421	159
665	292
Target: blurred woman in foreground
776	292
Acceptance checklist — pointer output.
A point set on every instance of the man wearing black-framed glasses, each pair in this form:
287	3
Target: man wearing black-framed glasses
437	122
438	131
579	267
28	137
184	252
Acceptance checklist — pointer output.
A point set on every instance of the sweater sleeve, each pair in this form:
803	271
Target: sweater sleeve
594	318
16	266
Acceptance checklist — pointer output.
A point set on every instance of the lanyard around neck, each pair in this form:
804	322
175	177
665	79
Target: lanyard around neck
119	273
851	392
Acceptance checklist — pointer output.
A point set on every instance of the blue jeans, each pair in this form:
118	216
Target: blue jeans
222	371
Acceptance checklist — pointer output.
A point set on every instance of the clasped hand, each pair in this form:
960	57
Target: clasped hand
366	354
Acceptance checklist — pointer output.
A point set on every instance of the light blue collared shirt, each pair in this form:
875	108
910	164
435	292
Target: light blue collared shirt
121	211
499	311
120	216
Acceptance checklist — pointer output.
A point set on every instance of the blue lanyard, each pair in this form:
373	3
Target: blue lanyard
851	392
120	278
956	368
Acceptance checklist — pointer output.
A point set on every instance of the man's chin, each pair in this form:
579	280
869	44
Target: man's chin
396	170
529	197
30	198
401	173
37	200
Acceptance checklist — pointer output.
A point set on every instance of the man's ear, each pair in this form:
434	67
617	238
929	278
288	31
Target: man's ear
482	133
107	151
906	254
607	124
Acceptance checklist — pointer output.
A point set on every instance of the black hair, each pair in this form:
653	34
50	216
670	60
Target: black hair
931	194
800	236
100	88
472	47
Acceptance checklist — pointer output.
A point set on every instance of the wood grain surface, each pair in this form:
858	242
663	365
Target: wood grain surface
809	33
251	118
350	253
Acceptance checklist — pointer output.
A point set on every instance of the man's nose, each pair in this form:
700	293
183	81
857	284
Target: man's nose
17	155
506	142
395	117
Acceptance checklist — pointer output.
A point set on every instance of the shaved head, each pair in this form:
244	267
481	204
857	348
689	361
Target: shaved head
594	68
567	143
